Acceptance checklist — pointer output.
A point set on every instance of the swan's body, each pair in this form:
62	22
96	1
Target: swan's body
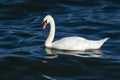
69	43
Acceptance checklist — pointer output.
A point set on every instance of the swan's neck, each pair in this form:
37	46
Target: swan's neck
48	42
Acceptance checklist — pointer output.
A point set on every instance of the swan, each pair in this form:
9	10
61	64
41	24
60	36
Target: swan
69	43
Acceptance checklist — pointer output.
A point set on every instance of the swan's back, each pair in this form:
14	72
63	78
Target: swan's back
77	43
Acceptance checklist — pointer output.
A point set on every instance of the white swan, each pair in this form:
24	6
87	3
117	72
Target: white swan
69	43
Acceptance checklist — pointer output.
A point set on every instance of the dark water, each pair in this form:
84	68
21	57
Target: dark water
22	52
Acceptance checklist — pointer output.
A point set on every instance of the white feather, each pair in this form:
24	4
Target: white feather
77	43
70	43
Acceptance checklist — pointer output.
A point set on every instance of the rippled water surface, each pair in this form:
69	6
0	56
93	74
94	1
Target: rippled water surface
23	55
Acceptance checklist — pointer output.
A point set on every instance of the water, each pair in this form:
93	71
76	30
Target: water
22	52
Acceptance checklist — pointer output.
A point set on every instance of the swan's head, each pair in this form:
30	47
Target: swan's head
47	20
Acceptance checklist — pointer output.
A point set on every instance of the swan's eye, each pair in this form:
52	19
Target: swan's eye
45	21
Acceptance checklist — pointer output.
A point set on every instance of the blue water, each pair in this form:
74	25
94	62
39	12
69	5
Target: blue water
23	55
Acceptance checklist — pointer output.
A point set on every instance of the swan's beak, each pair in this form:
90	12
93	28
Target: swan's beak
44	24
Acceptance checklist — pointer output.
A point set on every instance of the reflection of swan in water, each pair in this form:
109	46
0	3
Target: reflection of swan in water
89	53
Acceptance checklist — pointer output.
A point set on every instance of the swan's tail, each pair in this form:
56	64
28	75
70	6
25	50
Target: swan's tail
101	42
98	44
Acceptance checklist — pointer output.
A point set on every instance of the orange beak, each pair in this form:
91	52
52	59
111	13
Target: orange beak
44	24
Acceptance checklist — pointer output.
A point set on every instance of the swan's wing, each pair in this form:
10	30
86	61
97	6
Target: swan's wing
71	43
77	43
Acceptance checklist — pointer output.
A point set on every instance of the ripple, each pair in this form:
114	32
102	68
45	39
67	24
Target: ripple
23	34
22	54
81	3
